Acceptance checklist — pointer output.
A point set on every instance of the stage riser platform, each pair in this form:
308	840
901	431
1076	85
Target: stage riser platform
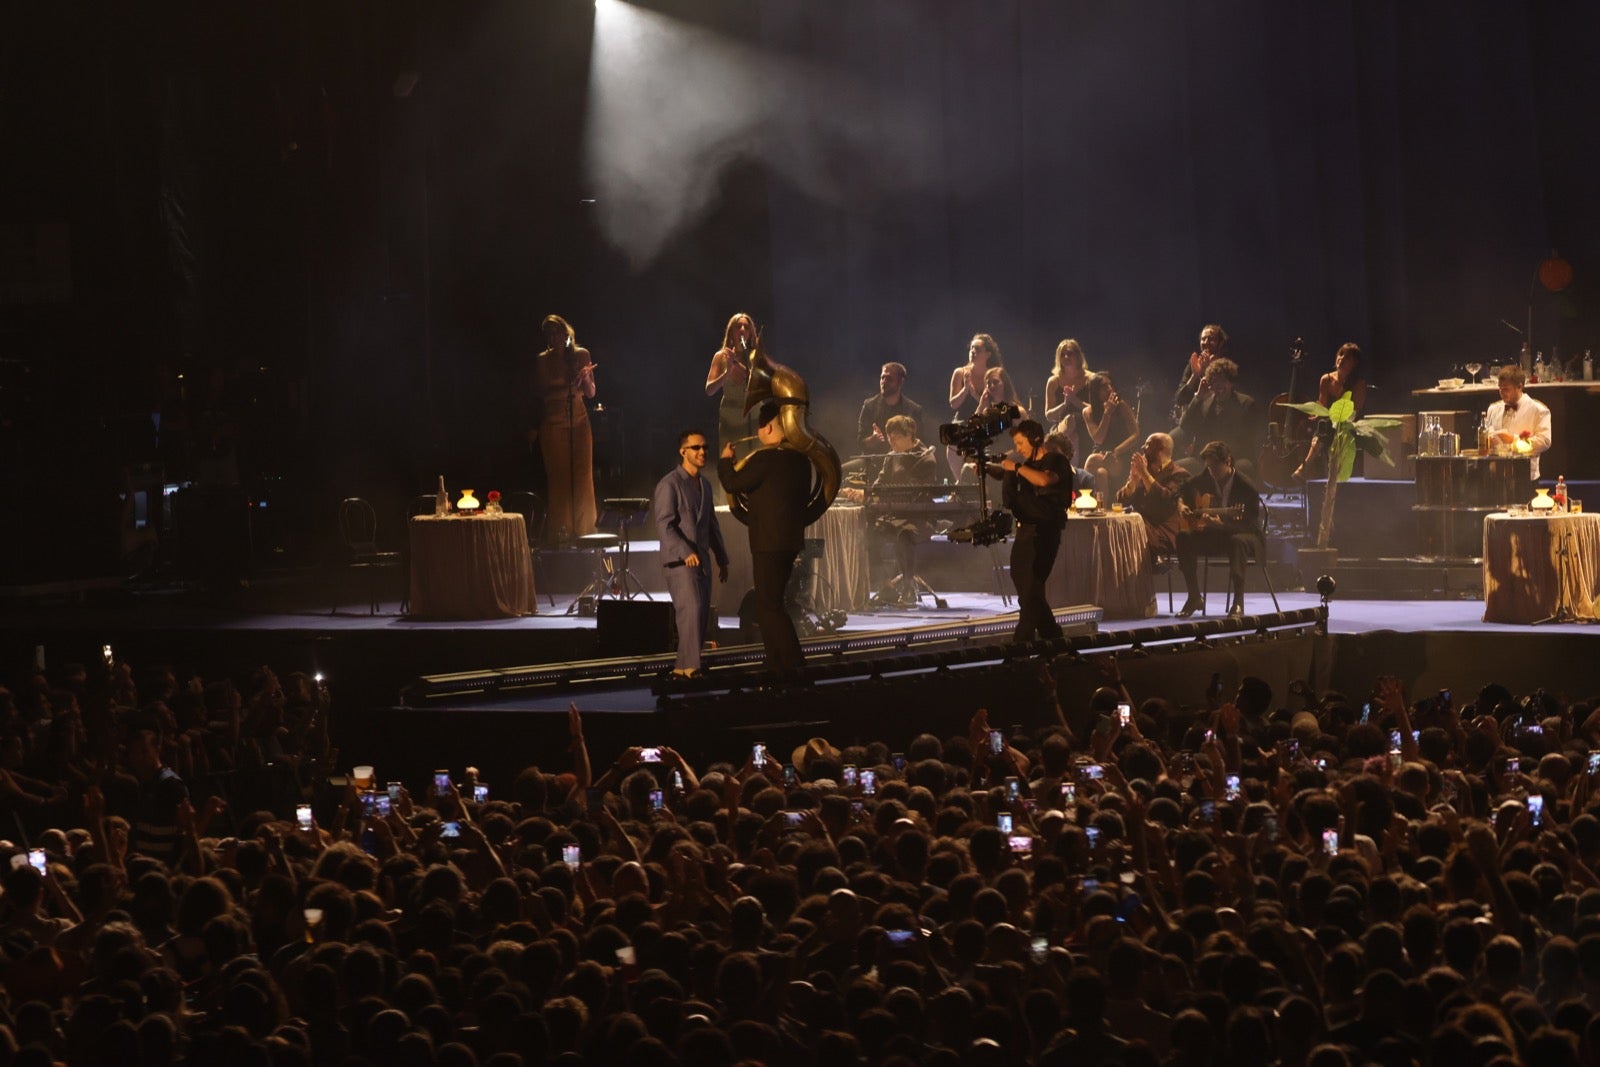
367	663
898	710
1373	518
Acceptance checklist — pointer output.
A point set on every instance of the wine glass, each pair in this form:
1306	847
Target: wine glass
1473	369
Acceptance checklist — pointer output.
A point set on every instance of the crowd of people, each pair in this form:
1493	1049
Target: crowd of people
1295	879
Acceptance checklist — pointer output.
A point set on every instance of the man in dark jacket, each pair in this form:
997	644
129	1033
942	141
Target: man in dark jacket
1223	509
776	485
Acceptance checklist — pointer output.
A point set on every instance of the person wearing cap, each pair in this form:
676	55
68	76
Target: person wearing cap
776	485
686	523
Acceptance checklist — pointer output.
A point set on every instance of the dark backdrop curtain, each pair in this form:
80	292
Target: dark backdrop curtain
1124	173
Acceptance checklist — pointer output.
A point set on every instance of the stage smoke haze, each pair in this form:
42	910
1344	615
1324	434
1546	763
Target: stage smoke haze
673	105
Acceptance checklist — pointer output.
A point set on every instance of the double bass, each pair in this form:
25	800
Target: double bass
1288	431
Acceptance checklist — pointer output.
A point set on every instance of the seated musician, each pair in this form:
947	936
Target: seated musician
1221	509
1153	491
1345	378
1213	345
889	402
1105	432
1219	412
908	462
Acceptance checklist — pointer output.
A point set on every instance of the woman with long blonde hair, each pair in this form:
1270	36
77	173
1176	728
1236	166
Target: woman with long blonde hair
1067	388
729	375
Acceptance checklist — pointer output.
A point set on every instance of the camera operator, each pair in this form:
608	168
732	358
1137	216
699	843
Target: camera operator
1037	487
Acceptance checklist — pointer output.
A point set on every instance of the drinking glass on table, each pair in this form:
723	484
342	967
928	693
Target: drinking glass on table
1473	369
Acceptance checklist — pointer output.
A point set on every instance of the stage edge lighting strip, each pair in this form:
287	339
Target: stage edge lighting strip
837	651
1079	618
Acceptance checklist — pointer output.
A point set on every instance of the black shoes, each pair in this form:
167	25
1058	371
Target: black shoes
1191	605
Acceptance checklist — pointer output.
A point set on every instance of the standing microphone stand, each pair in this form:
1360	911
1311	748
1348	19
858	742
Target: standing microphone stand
1563	612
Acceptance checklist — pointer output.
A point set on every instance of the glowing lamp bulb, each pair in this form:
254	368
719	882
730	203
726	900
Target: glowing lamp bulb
468	502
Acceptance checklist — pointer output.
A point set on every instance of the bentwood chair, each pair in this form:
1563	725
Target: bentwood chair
358	534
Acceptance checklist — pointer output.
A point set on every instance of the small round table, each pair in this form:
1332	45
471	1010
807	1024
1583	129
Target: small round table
477	567
1104	560
1523	575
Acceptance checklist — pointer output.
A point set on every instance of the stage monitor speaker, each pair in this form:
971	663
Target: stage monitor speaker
635	627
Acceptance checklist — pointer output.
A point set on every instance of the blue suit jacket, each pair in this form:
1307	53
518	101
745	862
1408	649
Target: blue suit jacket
686	520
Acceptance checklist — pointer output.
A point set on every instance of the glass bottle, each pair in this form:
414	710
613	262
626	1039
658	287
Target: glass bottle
1483	434
441	501
1588	365
1428	439
1560	494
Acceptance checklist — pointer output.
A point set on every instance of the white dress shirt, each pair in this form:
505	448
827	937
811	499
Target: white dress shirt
1528	415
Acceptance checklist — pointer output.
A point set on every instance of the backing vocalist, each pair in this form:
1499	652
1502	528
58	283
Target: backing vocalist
1037	487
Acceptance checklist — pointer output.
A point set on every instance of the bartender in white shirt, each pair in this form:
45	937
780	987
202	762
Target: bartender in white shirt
1516	412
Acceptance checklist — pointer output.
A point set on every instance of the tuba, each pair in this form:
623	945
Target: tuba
771	380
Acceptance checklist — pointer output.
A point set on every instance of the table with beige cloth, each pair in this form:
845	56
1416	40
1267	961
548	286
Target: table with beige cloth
1521	572
841	573
470	567
1104	560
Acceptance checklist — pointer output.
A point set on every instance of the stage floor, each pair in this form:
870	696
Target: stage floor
1345	616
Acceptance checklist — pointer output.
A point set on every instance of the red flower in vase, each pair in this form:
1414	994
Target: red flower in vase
494	496
1526	435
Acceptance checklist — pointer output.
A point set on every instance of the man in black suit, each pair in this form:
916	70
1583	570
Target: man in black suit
776	483
1233	535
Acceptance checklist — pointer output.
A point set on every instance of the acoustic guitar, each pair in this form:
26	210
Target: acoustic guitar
1195	518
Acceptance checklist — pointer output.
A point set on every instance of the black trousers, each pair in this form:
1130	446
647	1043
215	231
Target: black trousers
1216	541
771	571
1033	553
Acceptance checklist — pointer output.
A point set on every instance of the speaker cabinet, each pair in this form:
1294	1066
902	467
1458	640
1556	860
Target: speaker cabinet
635	627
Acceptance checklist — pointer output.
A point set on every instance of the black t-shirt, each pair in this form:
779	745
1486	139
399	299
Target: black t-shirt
1044	505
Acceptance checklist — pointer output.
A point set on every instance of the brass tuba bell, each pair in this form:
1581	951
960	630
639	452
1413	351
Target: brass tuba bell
771	380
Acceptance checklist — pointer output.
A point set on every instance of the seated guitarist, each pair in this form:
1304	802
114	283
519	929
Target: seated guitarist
1222	510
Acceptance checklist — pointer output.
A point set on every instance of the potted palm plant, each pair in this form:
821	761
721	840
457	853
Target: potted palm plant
1350	435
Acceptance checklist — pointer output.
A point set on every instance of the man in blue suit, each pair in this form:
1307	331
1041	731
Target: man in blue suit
686	523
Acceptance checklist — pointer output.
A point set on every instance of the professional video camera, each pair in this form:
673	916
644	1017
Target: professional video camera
971	438
973	435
